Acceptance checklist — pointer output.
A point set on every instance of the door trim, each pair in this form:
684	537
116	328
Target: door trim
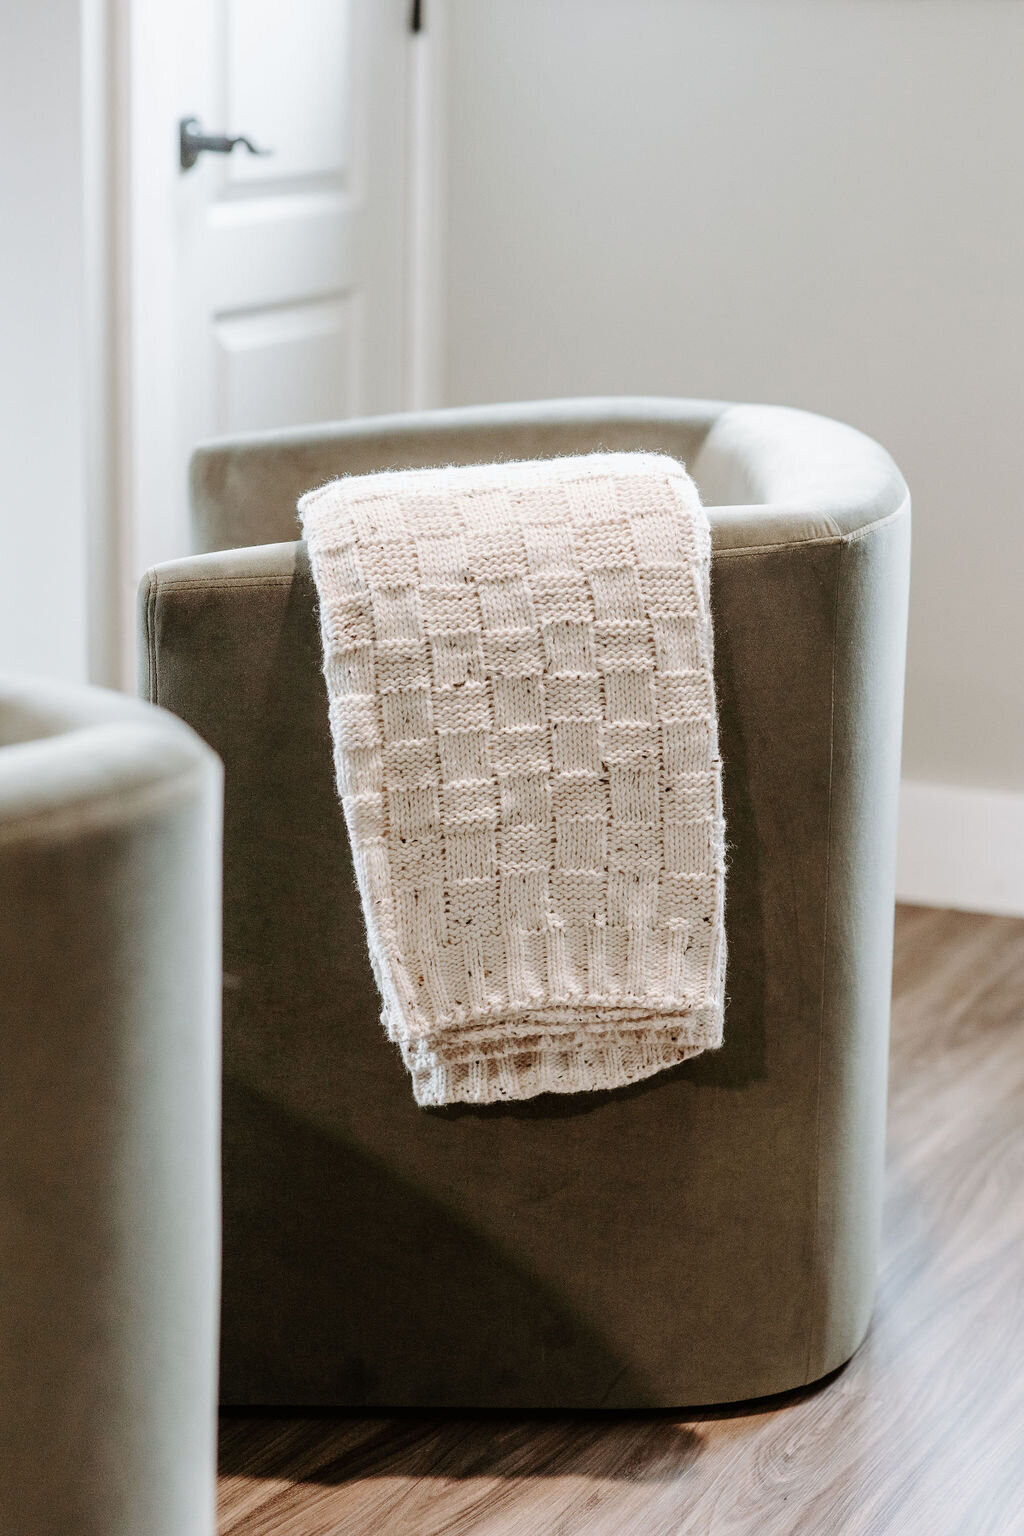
427	202
103	125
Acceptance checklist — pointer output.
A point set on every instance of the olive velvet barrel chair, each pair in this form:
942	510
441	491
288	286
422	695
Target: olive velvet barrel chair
705	1236
109	1075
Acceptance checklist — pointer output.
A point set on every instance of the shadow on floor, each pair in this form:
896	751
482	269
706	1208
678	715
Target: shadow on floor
332	1447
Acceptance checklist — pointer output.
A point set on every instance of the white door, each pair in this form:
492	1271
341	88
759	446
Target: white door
281	298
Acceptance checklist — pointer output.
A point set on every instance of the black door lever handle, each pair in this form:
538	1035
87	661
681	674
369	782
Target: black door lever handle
194	142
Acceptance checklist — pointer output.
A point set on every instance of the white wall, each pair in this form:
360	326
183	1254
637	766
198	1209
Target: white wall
43	491
817	202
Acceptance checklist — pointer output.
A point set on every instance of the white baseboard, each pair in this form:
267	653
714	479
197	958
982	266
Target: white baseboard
961	848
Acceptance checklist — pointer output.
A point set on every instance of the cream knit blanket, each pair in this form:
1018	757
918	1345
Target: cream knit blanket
518	662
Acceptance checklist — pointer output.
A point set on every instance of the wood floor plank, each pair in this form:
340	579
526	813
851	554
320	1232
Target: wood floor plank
921	1435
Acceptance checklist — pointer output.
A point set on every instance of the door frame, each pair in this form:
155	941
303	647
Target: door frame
131	186
104	125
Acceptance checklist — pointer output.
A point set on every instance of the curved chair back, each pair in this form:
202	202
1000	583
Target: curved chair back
764	470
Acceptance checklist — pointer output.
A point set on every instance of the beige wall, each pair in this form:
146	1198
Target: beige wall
818	202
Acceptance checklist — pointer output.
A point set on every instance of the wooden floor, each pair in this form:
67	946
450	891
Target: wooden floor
921	1435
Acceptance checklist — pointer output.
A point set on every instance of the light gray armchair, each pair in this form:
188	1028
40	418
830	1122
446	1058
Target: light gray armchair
707	1235
109	1111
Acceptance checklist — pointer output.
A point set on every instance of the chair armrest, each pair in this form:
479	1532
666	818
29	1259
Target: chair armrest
230	642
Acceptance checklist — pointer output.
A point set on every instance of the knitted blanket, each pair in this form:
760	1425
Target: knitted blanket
519	668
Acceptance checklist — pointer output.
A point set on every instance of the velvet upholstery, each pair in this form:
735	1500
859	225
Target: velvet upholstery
109	1068
705	1236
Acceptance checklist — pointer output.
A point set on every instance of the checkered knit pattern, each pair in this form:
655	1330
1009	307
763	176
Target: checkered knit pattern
519	667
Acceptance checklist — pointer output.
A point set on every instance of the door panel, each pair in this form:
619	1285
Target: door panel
289	80
267	249
281	367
